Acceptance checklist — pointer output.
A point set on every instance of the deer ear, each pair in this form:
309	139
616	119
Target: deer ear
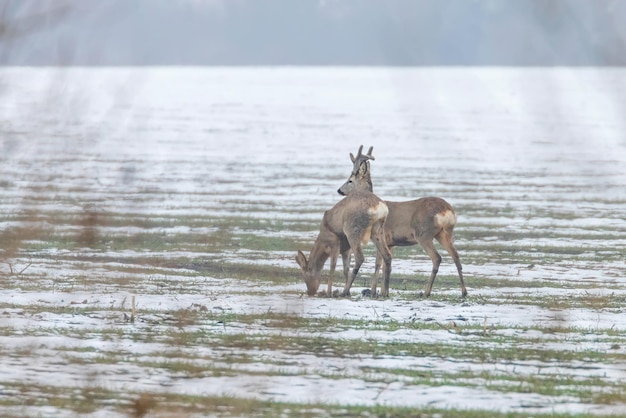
301	260
363	168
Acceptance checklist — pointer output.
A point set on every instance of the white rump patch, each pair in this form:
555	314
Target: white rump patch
379	211
446	218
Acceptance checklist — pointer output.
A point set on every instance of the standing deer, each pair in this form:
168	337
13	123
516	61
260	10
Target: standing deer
412	222
348	225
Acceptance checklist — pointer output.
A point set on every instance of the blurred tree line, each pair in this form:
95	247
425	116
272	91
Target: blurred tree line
313	32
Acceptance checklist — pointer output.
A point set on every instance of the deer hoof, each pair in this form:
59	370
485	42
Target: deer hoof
366	293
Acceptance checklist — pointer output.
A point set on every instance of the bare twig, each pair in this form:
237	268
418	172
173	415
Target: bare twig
24	269
132	309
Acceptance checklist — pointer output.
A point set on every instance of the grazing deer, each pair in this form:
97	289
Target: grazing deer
327	244
351	223
413	222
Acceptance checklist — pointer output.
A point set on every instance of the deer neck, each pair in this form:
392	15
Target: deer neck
318	257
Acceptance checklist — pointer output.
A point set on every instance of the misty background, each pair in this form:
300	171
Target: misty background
313	32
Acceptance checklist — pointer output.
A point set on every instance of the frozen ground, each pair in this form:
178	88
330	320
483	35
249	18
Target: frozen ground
192	188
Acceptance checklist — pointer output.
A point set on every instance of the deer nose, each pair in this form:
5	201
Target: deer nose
340	192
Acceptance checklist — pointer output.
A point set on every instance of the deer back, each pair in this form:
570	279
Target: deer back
422	217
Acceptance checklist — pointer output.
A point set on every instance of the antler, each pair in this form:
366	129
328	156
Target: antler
365	157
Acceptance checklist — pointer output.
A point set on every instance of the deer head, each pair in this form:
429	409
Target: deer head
360	177
311	278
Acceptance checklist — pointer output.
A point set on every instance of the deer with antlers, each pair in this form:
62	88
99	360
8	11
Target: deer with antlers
351	223
410	223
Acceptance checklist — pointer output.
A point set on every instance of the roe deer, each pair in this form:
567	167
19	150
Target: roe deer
413	222
348	225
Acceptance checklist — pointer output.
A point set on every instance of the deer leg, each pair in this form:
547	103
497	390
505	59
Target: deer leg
379	260
331	276
345	259
358	260
374	281
383	252
436	258
445	239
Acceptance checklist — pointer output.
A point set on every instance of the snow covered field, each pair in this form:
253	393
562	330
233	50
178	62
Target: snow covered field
191	189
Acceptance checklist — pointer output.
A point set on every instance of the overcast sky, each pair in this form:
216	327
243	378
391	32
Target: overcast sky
313	32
